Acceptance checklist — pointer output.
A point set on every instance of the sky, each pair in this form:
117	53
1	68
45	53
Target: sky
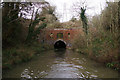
65	9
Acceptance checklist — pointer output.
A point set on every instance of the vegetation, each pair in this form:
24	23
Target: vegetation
72	24
20	34
84	20
103	40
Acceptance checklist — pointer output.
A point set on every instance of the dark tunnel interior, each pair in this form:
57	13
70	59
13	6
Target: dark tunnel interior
59	45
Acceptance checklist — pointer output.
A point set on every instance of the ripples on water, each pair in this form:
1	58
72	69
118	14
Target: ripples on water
61	64
61	69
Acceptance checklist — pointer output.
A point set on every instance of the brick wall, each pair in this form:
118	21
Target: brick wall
49	36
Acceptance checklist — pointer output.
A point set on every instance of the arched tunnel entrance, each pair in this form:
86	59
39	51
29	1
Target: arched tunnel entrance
60	44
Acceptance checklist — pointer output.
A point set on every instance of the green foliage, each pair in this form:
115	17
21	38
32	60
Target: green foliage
110	64
42	18
10	12
84	20
8	58
103	38
102	43
21	53
46	17
32	33
114	65
12	28
16	56
42	26
14	35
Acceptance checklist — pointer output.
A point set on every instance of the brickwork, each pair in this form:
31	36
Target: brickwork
49	36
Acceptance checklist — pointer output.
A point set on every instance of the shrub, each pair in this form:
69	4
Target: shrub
80	43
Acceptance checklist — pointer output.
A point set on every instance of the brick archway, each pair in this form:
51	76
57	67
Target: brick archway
60	44
60	40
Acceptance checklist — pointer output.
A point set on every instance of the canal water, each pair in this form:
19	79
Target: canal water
60	64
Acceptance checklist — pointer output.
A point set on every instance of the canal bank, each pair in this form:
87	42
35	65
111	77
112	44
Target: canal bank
61	64
21	53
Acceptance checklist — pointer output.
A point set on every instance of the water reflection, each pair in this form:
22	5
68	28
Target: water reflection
60	52
61	63
30	74
27	73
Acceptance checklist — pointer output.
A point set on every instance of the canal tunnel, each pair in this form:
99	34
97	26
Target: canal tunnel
59	44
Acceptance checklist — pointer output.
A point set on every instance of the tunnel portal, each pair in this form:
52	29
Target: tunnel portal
60	44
